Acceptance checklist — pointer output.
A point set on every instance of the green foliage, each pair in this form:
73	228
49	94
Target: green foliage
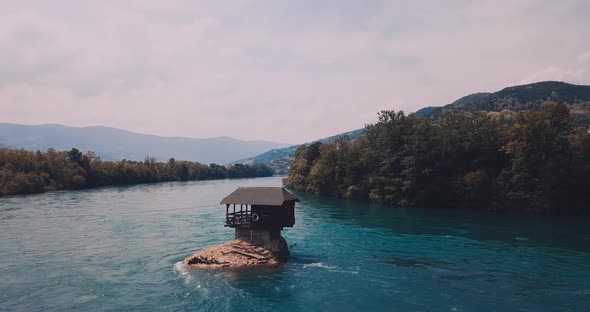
537	163
541	157
26	172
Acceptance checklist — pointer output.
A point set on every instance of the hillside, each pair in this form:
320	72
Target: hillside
506	102
522	98
280	159
536	164
116	144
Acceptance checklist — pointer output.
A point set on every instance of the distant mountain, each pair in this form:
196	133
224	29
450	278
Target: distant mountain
521	98
280	159
116	144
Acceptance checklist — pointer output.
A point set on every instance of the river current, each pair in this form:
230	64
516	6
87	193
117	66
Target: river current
119	248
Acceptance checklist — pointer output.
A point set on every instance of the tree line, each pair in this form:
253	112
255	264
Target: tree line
535	162
27	172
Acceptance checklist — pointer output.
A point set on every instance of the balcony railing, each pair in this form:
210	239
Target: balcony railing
238	218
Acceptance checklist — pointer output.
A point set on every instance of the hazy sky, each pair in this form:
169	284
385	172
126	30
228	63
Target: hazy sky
288	71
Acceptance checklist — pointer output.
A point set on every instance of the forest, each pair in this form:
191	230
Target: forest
27	172
536	162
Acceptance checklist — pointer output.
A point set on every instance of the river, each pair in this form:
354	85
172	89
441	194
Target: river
118	248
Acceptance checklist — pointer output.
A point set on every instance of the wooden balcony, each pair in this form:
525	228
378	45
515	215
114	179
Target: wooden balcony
238	219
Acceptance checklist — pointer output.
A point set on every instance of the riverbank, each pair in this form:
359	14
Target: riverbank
27	172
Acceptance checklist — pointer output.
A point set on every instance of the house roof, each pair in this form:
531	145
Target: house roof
271	196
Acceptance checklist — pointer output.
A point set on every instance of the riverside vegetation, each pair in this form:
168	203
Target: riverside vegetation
506	102
533	161
26	172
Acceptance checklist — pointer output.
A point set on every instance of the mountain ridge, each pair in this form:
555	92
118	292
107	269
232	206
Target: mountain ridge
279	159
514	98
114	143
505	101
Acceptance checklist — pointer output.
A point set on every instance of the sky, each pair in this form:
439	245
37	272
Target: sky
284	71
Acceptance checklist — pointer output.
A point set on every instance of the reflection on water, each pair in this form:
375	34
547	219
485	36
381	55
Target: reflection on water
120	248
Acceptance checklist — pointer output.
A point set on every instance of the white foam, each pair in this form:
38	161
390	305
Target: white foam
521	238
183	270
318	265
86	298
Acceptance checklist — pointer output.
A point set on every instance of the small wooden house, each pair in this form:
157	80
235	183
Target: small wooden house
258	214
270	208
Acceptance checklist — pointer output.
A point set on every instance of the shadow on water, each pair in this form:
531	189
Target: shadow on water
415	262
512	230
301	259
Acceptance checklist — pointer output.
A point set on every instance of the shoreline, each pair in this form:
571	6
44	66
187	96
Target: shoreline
496	212
124	185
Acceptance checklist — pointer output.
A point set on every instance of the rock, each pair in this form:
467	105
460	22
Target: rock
239	253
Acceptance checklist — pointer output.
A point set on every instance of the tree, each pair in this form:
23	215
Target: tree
540	158
532	162
24	172
75	155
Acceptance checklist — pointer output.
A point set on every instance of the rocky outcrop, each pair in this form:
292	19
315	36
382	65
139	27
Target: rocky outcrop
240	253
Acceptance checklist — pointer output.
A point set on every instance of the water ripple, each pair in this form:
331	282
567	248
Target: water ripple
120	248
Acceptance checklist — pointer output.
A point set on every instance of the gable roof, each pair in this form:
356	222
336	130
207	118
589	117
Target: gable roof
271	196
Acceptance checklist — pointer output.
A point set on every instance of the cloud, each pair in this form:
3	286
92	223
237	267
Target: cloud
275	70
578	73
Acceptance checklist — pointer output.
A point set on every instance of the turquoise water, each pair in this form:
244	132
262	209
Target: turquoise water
118	249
